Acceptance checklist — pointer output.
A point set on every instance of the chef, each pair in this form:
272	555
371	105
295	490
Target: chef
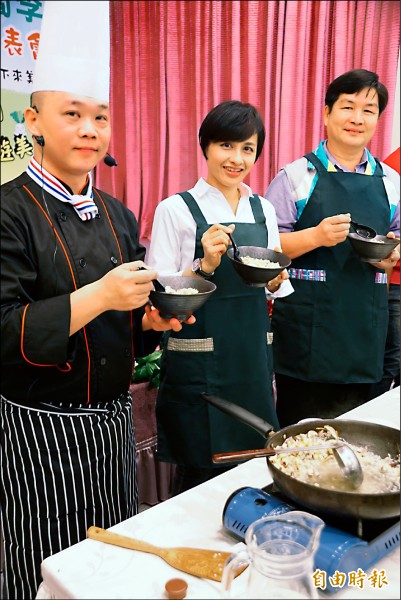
72	311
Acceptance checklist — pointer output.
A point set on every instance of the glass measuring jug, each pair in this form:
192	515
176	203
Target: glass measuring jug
280	551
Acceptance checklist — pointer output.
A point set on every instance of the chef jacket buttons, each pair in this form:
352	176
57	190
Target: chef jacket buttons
113	260
127	352
62	215
103	361
82	262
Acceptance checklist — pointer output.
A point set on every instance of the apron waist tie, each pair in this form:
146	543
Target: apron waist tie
70	408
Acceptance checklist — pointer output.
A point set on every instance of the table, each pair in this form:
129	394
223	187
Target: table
91	569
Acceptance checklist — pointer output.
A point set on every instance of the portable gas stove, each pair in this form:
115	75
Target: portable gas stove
359	544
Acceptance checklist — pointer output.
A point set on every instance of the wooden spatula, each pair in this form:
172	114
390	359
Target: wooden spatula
208	564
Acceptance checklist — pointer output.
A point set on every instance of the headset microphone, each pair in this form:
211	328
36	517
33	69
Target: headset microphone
110	161
40	140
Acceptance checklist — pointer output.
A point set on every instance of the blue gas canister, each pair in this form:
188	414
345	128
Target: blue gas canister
338	550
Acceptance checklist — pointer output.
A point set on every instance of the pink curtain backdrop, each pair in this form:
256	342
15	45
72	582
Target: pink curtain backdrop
172	61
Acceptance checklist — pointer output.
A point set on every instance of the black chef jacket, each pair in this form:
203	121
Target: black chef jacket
39	360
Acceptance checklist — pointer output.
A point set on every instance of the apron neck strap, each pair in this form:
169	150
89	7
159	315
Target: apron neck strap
257	209
200	220
194	208
321	168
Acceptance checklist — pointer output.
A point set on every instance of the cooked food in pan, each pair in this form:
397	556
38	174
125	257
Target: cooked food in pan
319	467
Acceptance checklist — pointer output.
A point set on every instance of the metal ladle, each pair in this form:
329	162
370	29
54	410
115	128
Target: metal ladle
344	455
349	464
363	230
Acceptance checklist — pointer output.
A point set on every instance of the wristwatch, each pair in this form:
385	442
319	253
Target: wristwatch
197	269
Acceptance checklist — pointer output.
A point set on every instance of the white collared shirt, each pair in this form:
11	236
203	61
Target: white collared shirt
172	247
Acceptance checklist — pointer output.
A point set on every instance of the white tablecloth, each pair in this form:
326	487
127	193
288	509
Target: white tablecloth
92	569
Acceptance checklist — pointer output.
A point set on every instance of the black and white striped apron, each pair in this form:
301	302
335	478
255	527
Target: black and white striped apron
63	469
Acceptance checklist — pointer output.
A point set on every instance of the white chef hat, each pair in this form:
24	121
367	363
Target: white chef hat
74	49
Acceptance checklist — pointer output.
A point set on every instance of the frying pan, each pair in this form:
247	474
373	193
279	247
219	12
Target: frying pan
379	439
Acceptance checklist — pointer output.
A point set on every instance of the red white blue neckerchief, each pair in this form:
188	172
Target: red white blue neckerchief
83	204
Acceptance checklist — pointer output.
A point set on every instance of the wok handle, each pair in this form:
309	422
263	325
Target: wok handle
243	415
242	455
237	455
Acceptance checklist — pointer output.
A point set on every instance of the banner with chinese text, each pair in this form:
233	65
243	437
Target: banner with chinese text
20	34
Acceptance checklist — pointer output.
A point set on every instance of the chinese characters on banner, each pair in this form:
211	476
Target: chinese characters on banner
20	36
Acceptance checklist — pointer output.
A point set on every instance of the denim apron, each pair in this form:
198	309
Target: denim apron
333	328
227	353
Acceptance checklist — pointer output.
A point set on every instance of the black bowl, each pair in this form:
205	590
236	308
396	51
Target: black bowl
258	276
181	306
372	250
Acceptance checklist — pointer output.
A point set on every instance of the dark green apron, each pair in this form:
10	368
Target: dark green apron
334	331
226	354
